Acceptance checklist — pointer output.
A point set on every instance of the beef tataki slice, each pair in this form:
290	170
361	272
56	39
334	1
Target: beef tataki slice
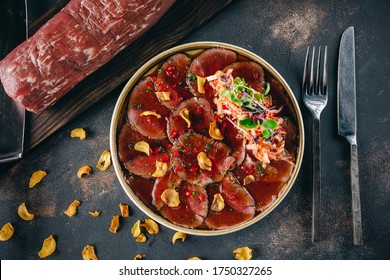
185	162
206	64
193	205
200	117
142	104
252	72
77	41
234	139
145	166
171	78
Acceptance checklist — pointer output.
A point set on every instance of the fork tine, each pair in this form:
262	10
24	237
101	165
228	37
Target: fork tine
311	85
325	73
305	69
317	89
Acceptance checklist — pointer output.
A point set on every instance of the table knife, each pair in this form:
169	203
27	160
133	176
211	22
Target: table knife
13	30
346	112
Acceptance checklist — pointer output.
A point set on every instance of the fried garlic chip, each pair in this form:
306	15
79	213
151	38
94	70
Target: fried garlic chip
151	226
78	133
170	197
139	256
218	203
200	83
136	229
36	177
23	212
204	161
141	238
150	113
114	224
249	179
72	209
214	131
243	253
104	161
179	235
185	114
48	247
95	213
84	170
124	210
194	259
88	253
6	232
161	169
163	95
142	146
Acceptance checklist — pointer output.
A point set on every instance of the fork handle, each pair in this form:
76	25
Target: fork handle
316	176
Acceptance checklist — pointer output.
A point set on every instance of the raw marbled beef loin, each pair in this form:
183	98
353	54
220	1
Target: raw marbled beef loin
82	37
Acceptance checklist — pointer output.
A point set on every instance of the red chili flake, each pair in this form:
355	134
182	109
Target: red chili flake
149	84
159	83
175	153
154	79
202	197
232	166
179	169
165	158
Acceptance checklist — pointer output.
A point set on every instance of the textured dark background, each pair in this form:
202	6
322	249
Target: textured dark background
278	31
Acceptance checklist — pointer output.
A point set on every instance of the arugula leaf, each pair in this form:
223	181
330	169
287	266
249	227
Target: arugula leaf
270	124
248	123
266	134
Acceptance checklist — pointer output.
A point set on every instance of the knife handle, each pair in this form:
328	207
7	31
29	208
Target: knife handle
356	208
316	177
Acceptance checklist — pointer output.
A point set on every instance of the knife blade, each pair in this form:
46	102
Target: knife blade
346	112
14	29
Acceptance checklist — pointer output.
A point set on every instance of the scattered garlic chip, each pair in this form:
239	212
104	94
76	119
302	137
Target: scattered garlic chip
249	179
136	229
214	131
124	210
78	133
151	226
179	235
243	253
104	161
218	203
71	211
36	177
170	197
163	95
140	238
150	113
138	257
48	247
84	170
23	212
185	114
203	161
200	83
6	232
95	213
142	146
161	169
114	224
88	253
194	259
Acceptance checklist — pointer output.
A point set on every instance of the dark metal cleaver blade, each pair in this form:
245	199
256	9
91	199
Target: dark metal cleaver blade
13	31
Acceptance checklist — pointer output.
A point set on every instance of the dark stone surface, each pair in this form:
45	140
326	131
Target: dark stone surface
278	31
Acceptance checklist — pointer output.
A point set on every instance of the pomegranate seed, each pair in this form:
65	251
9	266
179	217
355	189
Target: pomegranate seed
182	132
186	150
174	86
175	118
165	88
174	134
175	153
199	110
179	169
251	166
159	83
180	99
149	119
193	169
149	84
175	76
232	197
202	197
188	193
165	158
154	79
249	172
171	68
168	73
156	150
243	167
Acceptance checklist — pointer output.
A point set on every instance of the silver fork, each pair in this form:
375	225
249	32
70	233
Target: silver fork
315	97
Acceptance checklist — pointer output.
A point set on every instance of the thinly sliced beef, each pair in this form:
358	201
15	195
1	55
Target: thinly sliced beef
142	188
239	204
185	163
206	64
252	72
145	165
128	137
143	99
200	114
193	205
234	139
77	41
172	78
